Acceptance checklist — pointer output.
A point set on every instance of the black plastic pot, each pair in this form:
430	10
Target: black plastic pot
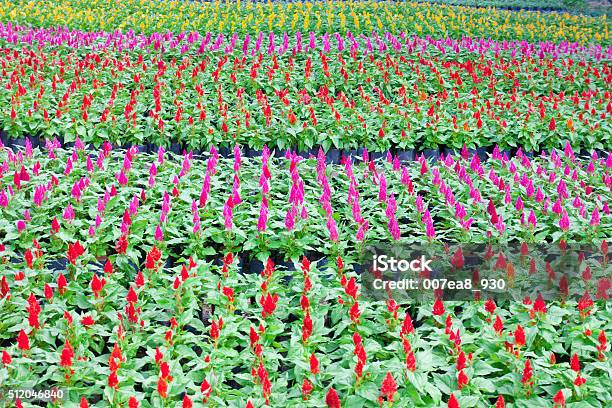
507	152
377	155
252	152
431	154
481	152
307	153
286	265
254	266
225	151
358	268
152	147
57	265
20	141
143	148
360	153
405	155
452	152
332	156
34	141
176	148
352	154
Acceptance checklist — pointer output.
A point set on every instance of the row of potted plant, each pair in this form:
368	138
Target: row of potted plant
413	96
117	324
334	16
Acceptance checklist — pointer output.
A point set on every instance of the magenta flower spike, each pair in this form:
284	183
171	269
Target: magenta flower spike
564	222
595	217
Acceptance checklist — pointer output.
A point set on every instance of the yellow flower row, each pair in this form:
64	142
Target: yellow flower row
330	16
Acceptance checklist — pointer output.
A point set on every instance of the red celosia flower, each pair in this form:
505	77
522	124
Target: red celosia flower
490	306
539	306
575	363
132	297
462	379
552	125
4	288
108	267
121	245
304	302
306	327
48	291
461	360
97	285
407	326
340	264
519	336
351	288
83	403
153	257
162	388
559	399
331	399
457	260
139	280
113	380
6	358
452	402
306	388
500	402
355	313
229	293
158	355
87	320
253	336
579	381
33	311
67	355
438	307
314	364
29	258
411	361
498	325
305	265
584	304
132	402
388	387
74	251
61	283
527	374
206	389
268	303
214	330
601	347
187	403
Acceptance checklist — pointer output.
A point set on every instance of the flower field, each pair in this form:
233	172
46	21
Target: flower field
189	192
